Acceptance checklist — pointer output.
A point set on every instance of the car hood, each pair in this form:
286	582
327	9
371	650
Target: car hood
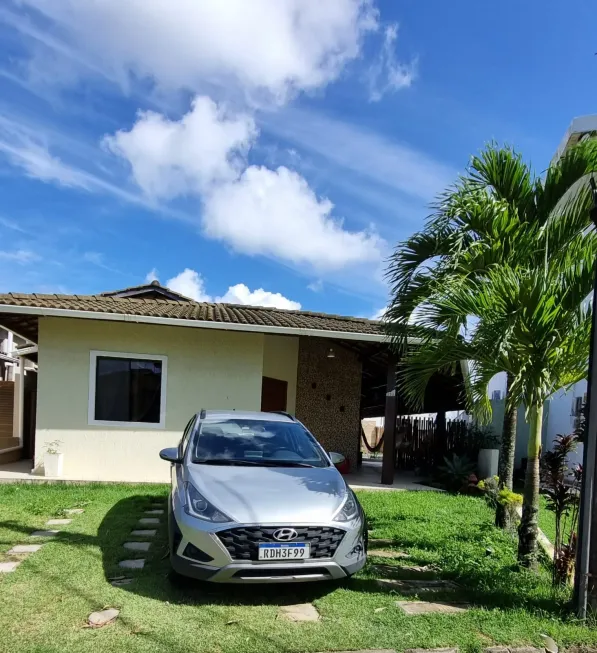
263	495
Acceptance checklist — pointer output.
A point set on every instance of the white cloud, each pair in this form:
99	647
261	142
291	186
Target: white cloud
378	315
387	74
170	158
152	275
240	294
366	155
275	212
190	284
273	45
316	286
19	256
37	162
97	258
258	211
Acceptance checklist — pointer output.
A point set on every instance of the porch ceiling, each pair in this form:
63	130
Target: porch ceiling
444	392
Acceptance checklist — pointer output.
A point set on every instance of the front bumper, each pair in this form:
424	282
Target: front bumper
221	568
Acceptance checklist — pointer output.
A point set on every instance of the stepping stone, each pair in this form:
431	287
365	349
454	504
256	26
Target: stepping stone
7	567
431	650
405	571
371	650
21	549
154	512
424	607
144	533
381	542
99	619
496	649
50	533
132	564
381	553
58	522
146	521
121	582
407	587
299	612
74	511
137	546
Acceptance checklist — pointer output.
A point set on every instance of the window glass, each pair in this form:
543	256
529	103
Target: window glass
185	437
257	442
128	389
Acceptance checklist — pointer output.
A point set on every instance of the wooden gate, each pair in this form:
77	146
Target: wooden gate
7	392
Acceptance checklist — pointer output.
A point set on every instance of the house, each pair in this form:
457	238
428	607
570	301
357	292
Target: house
121	373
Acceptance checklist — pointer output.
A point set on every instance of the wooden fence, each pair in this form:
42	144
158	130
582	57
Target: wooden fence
420	444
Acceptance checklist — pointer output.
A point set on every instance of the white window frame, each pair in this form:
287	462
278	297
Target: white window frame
93	356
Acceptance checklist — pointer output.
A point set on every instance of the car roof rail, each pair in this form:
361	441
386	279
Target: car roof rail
283	412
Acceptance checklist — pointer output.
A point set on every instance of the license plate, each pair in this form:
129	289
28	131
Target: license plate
284	551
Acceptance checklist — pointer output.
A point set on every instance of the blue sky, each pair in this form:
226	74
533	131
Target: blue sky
266	152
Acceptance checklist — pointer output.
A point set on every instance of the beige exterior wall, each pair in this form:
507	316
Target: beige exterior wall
205	369
280	361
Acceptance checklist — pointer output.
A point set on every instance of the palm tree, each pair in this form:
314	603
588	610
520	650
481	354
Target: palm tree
499	216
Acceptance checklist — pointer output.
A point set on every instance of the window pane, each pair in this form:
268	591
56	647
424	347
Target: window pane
128	390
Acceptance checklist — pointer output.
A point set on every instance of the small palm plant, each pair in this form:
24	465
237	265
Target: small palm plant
561	485
455	472
499	278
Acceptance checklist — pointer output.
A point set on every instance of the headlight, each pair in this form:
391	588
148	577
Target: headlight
198	506
349	509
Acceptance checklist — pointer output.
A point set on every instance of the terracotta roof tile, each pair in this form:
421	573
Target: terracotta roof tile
225	313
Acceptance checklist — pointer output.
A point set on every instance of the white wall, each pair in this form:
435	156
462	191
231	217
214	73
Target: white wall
560	420
206	369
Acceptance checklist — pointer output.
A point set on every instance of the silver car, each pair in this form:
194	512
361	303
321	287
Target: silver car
255	499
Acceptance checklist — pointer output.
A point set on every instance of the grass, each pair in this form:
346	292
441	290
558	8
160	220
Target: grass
547	520
44	604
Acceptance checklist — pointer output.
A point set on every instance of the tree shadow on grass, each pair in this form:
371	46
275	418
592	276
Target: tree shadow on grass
155	579
487	586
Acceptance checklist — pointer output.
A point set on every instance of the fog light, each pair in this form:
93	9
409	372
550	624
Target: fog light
357	550
191	551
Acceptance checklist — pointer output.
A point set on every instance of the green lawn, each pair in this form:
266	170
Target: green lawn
44	604
547	521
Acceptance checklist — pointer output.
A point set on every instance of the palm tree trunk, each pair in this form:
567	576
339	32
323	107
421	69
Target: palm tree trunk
507	450
527	531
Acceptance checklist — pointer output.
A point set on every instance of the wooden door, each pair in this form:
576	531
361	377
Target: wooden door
273	394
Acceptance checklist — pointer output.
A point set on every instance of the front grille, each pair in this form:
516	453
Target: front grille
243	543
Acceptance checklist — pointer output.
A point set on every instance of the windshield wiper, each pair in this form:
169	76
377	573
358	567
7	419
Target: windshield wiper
285	463
226	461
251	463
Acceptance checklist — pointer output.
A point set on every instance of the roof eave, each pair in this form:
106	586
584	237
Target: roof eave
201	324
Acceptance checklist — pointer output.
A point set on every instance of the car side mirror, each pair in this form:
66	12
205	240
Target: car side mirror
336	458
171	455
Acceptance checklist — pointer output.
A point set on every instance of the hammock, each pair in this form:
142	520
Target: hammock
371	449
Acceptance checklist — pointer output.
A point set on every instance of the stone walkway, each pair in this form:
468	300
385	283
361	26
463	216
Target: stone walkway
493	649
412	580
142	531
23	551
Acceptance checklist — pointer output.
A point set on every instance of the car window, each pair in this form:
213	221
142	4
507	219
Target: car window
185	437
257	442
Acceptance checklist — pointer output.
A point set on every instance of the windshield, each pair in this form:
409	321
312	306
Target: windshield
257	443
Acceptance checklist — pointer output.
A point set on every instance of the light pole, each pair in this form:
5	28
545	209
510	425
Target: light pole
586	568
